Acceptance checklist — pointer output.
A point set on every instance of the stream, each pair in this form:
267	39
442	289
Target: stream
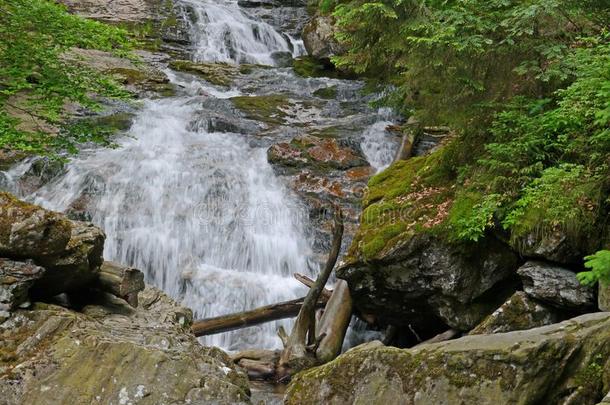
189	197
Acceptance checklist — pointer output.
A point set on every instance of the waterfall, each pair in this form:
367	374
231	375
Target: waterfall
223	32
201	213
378	145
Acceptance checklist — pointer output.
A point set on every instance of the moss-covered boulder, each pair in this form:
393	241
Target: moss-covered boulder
270	109
603	297
221	74
70	251
111	353
519	312
29	231
562	363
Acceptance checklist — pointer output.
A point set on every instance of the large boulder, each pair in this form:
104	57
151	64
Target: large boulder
519	312
77	265
425	282
16	279
565	363
603	297
70	251
111	353
555	285
319	38
29	231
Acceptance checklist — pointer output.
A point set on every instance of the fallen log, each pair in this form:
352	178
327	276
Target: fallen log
121	281
268	313
441	337
309	283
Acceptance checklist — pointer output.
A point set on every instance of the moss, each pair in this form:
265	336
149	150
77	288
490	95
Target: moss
326	92
220	74
407	198
307	66
263	108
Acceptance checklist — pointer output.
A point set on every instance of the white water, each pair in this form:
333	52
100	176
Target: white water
224	32
378	145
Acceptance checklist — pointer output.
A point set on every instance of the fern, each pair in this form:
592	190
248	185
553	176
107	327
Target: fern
599	265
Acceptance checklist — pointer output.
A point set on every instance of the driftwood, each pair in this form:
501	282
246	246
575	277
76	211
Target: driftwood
334	322
302	337
238	320
326	293
405	151
260	364
123	282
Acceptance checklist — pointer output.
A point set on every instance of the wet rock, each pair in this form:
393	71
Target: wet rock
112	353
555	285
16	279
282	59
29	231
77	265
319	38
41	171
519	312
221	74
426	283
316	152
270	109
603	297
556	364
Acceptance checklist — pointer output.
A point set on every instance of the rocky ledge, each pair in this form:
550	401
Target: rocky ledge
565	363
65	339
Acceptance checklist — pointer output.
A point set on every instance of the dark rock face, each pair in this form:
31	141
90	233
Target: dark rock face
16	279
555	247
555	285
519	312
565	363
424	282
319	38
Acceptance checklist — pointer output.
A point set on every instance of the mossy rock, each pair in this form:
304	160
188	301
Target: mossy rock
266	108
220	74
545	365
327	93
307	66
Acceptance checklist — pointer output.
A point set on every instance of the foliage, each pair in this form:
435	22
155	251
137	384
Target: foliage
599	265
38	75
526	87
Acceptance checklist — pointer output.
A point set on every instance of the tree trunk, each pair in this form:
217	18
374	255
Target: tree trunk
334	323
268	313
294	356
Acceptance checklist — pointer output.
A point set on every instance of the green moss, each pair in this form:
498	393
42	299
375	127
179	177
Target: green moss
307	66
220	74
326	92
263	108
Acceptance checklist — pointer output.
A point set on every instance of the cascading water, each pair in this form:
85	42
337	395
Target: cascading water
201	212
378	146
223	32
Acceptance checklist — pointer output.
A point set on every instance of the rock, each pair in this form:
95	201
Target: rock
603	297
555	285
220	74
316	152
319	38
16	279
562	363
29	231
140	79
519	312
606	400
427	283
77	265
41	171
112	353
554	246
